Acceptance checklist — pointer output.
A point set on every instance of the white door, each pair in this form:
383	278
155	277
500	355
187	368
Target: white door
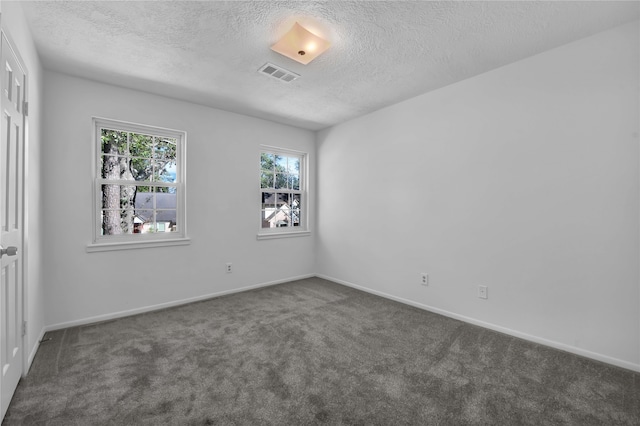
11	221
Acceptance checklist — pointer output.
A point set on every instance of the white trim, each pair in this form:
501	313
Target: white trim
33	352
127	245
102	181
117	242
551	343
150	308
267	233
283	234
25	229
128	126
25	162
279	149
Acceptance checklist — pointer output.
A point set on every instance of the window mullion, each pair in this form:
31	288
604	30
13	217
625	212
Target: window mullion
155	207
102	181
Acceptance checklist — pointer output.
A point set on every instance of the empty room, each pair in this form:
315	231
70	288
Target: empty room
320	212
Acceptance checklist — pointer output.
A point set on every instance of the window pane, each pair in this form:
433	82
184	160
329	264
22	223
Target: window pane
109	167
127	220
283	218
283	200
165	171
111	222
166	220
166	201
268	200
145	200
113	141
294	165
266	180
281	181
294	182
143	216
165	148
281	163
116	222
127	195
141	169
275	218
141	145
267	161
295	209
142	221
110	197
267	217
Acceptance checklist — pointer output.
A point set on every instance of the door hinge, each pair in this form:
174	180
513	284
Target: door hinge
25	108
24	328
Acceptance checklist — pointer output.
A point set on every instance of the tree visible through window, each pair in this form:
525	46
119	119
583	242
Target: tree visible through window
281	189
138	179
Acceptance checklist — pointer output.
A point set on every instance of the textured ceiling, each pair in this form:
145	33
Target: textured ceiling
382	51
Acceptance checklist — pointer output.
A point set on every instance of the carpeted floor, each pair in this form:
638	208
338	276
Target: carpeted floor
312	352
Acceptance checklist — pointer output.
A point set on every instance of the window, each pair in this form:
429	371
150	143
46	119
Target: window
282	193
139	186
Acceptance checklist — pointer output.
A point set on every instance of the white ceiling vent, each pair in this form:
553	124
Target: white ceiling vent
278	72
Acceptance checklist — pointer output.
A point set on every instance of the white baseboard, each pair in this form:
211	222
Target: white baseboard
557	345
32	353
150	308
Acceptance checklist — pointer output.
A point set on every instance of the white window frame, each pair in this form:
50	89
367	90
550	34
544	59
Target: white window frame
291	231
134	241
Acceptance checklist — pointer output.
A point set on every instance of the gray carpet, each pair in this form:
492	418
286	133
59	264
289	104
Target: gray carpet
312	352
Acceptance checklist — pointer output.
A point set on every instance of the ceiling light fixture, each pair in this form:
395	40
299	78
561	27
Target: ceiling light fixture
301	45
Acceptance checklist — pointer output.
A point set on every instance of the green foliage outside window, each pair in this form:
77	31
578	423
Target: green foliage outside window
279	172
148	162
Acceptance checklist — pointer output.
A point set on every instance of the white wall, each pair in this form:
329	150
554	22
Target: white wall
13	22
222	202
524	179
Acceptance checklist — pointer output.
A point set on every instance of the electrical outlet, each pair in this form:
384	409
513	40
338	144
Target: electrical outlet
483	292
424	279
229	268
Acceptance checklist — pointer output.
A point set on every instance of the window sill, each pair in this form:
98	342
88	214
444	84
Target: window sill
274	235
128	245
